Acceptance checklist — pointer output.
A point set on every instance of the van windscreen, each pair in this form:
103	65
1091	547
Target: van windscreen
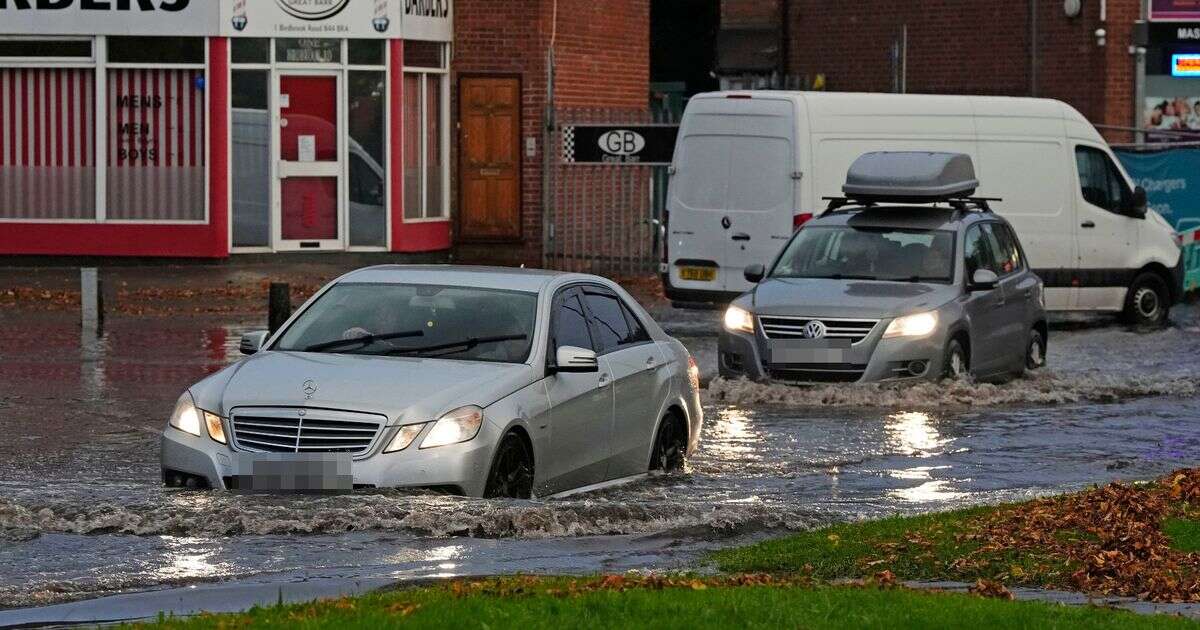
856	253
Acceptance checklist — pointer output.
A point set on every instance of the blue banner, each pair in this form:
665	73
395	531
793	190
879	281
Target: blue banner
1172	181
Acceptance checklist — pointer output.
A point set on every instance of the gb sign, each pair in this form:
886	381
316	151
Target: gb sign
624	144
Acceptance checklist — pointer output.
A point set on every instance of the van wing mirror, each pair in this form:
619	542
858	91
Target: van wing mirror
1139	203
984	280
252	342
754	273
573	360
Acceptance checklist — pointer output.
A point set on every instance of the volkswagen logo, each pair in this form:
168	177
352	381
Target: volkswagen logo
814	330
309	388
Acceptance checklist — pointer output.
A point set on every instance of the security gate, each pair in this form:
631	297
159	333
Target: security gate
606	191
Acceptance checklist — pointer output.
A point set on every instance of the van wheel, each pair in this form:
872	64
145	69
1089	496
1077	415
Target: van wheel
670	446
1035	352
512	470
956	364
1148	301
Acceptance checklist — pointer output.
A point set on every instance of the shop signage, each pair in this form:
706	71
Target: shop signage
310	18
431	20
619	144
1185	65
1166	34
108	17
1175	10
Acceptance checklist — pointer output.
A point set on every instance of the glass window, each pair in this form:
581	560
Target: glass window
308	50
425	166
47	143
251	159
421	54
366	52
250	50
570	324
417	320
1100	182
157	50
1010	254
156	145
888	254
52	48
637	332
979	251
609	327
368	173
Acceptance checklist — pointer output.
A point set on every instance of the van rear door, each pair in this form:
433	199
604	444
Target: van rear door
733	193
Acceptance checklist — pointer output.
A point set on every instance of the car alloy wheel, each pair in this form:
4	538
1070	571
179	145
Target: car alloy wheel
1147	302
671	445
957	366
1035	355
512	470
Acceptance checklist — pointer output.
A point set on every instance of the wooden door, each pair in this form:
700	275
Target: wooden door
489	158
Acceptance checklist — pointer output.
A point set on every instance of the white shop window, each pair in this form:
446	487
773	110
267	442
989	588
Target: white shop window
426	135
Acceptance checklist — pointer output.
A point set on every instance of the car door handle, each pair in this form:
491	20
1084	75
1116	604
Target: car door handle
1088	224
651	364
603	382
741	236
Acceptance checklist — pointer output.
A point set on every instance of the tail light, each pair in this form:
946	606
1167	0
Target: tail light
798	220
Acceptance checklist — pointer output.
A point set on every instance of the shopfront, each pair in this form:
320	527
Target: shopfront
204	129
1171	104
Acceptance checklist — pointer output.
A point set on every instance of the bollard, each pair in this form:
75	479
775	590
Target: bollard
279	305
91	300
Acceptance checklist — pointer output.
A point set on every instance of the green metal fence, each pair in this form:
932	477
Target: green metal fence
1191	257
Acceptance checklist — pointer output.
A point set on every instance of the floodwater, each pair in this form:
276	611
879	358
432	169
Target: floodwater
83	514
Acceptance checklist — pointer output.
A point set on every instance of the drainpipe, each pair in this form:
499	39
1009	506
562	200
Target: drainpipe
1139	79
1033	47
547	140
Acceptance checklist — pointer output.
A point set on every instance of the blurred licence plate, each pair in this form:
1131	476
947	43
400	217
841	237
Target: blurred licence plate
293	472
700	274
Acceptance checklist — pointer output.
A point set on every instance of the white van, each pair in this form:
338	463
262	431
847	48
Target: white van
751	167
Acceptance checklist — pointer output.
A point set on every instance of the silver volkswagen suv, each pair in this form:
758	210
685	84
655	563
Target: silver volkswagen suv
908	276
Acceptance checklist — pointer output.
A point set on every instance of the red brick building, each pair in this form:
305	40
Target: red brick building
1035	48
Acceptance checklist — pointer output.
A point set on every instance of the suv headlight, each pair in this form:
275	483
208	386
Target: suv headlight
915	325
739	320
453	427
187	418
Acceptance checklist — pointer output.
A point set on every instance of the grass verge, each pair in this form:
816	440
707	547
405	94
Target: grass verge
530	603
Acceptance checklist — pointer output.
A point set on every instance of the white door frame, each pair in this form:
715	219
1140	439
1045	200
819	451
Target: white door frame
283	170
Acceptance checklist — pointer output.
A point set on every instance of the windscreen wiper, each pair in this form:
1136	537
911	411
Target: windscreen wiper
364	340
462	345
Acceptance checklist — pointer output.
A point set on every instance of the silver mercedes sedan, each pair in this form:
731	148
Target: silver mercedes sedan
471	380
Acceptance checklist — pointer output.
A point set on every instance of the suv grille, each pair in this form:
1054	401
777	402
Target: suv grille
777	327
285	430
817	372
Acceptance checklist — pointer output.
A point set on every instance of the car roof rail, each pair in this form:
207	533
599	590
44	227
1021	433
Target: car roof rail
864	202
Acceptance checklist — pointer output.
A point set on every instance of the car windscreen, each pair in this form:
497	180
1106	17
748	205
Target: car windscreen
868	253
464	323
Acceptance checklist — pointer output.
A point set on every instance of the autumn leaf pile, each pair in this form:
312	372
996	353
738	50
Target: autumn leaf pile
1108	541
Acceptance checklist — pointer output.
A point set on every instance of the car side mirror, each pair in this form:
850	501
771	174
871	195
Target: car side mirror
1138	204
573	360
754	273
252	342
984	280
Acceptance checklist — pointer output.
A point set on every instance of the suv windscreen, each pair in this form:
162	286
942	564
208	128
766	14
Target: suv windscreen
888	254
417	320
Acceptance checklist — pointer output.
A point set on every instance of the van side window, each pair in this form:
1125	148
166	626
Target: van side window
1100	182
570	324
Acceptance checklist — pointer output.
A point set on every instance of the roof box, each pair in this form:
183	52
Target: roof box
911	176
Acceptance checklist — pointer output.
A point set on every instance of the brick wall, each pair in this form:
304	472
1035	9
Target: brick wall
602	60
961	47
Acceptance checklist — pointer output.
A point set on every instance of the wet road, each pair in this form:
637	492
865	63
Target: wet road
82	513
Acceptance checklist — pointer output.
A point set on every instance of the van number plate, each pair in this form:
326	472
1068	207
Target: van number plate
700	274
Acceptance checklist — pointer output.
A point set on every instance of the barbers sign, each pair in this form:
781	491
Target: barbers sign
108	17
619	144
310	18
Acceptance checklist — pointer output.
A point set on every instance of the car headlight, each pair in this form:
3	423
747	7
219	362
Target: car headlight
453	427
739	320
404	437
916	325
186	417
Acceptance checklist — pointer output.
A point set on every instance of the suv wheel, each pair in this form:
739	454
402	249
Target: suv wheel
956	364
1035	352
1148	301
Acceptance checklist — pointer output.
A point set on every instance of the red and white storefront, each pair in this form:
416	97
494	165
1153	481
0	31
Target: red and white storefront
197	128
